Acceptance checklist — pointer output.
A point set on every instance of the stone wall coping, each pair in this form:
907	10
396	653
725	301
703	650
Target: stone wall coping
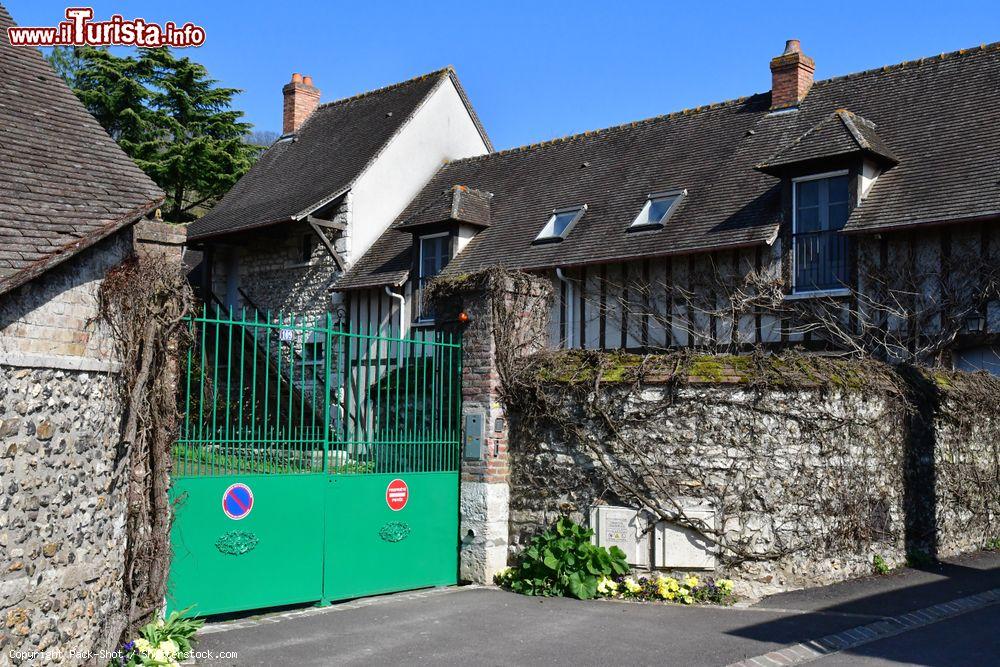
160	232
58	361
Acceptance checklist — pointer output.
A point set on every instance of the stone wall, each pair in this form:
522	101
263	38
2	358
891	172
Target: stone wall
62	486
807	481
273	272
52	321
62	512
476	306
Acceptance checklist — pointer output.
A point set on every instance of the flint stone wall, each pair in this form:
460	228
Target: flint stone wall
807	484
62	474
62	510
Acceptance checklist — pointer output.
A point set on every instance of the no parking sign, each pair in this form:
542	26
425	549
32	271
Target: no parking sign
237	501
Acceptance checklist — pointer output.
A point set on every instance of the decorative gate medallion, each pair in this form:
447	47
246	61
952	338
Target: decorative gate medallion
236	542
394	531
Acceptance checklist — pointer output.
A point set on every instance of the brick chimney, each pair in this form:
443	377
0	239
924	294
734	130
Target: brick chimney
301	98
791	76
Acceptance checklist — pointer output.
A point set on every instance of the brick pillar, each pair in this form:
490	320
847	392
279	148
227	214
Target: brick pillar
485	492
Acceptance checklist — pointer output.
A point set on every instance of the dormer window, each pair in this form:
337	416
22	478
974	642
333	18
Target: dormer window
560	224
820	252
658	208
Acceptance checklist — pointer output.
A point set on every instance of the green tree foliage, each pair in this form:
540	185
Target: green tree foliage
169	116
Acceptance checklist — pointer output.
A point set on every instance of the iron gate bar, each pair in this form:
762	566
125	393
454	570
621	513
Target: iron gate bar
395	397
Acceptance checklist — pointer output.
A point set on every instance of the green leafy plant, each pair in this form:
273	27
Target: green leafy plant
992	544
562	561
879	565
161	643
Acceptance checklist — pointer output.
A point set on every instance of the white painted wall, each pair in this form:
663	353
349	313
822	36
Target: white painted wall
439	131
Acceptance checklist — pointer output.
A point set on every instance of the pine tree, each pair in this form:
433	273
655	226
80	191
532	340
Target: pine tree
169	116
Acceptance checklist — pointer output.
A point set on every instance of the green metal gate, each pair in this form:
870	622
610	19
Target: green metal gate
314	463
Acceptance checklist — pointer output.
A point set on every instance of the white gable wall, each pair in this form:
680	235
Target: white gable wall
440	130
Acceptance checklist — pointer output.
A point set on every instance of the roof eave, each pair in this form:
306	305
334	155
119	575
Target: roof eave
373	284
855	230
72	249
209	236
781	169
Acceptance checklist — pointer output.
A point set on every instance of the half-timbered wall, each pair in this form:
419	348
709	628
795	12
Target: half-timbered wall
628	305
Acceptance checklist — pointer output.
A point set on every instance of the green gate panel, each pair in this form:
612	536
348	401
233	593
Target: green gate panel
317	421
373	549
271	557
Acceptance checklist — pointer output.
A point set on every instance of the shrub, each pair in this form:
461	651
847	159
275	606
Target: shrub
562	561
161	643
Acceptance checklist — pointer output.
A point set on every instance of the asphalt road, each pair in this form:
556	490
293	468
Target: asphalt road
491	627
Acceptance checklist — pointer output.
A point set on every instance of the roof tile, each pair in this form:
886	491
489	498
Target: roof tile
64	183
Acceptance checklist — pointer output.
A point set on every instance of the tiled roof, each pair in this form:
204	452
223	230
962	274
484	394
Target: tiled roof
840	133
940	115
321	161
64	183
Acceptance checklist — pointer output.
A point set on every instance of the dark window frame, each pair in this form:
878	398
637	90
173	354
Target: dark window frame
420	314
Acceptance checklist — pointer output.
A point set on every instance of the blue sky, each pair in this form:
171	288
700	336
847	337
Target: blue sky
538	70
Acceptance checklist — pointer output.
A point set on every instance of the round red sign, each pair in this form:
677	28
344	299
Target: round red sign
396	495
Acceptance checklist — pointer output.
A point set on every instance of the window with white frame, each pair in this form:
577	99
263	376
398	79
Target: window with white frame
820	252
559	225
658	208
435	251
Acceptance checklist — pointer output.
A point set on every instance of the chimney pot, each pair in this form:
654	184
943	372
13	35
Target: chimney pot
791	76
300	99
792	46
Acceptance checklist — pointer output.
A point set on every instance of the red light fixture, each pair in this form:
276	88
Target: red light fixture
463	317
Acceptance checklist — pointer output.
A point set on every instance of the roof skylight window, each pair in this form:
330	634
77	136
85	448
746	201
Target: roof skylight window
659	206
560	224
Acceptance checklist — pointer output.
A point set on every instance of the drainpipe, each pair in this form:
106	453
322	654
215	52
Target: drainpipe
402	305
569	306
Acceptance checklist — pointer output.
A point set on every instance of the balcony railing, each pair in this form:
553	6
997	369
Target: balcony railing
821	261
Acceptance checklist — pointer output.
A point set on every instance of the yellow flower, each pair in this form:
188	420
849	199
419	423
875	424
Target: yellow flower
725	585
169	647
632	586
691	582
607	586
143	646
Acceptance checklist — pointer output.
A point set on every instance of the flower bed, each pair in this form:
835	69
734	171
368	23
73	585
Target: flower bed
563	561
687	590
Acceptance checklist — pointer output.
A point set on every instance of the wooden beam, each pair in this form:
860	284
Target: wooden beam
341	264
331	224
